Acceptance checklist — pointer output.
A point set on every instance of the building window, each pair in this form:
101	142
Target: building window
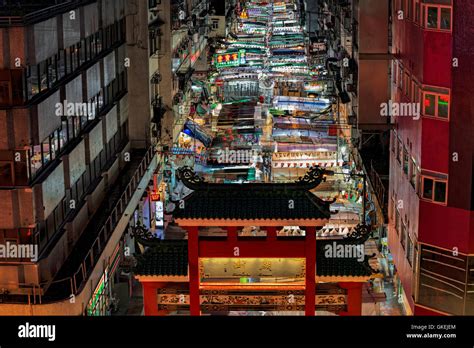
445	18
436	105
434	189
61	64
55	147
215	24
410	251
400	78
394	73
438	17
432	17
399	151
32	78
413	174
36	159
403	235
394	142
417	12
415	92
406	84
154	41
52	70
153	3
405	161
392	210
397	220
46	150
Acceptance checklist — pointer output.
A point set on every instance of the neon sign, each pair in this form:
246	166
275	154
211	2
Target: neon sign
155	196
229	59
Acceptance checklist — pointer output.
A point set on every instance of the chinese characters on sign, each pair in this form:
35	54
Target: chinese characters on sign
229	59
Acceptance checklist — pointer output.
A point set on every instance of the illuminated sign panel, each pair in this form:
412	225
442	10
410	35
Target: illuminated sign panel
155	196
229	59
223	268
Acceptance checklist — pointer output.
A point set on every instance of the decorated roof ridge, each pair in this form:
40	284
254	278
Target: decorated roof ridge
359	234
250	201
312	179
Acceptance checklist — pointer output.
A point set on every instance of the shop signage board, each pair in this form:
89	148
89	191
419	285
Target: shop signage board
229	59
154	196
252	267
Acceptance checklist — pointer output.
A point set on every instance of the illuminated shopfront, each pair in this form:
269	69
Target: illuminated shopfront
99	304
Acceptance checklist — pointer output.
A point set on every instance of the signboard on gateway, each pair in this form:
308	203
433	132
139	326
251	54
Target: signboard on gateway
229	59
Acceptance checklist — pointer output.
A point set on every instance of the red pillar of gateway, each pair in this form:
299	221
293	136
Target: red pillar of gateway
150	298
310	286
194	278
354	298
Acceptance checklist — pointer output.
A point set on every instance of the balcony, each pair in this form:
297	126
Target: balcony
77	269
93	244
13	12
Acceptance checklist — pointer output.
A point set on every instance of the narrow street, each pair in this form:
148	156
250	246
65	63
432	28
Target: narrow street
267	112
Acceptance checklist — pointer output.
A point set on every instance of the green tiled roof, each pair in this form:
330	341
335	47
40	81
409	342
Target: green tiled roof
165	258
247	202
340	267
252	200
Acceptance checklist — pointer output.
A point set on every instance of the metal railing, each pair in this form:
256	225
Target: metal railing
108	228
379	189
73	284
28	15
375	183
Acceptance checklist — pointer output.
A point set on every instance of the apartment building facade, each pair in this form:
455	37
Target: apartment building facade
74	162
178	36
356	36
431	230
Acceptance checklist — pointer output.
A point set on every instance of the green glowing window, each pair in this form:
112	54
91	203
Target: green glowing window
430	108
436	105
443	106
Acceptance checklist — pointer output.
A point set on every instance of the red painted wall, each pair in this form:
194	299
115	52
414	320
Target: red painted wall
354	299
445	227
426	312
435	145
437	58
